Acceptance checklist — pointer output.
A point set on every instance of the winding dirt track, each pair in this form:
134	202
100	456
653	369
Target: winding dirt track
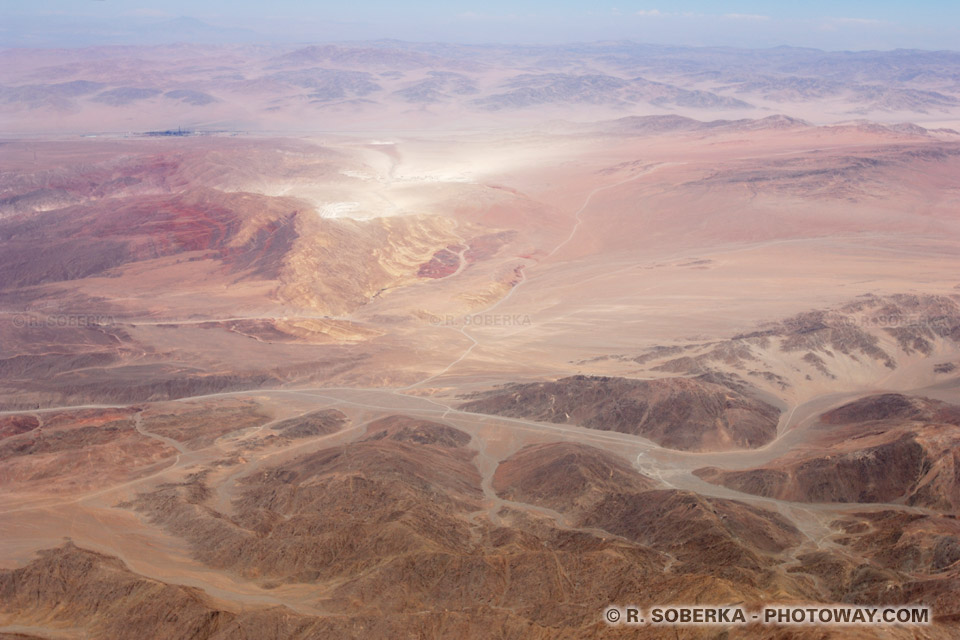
578	221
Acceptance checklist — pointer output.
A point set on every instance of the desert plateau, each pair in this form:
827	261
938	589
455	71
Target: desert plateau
393	339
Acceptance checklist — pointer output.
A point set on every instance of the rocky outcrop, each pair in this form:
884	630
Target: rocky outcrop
893	407
415	431
882	473
883	448
599	490
679	413
565	476
316	423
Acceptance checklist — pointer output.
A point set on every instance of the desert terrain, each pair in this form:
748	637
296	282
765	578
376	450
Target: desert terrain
413	341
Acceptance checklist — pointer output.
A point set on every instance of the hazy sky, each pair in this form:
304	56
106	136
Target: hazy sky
830	24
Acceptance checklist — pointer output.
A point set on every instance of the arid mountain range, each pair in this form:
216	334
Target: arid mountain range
406	374
370	86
